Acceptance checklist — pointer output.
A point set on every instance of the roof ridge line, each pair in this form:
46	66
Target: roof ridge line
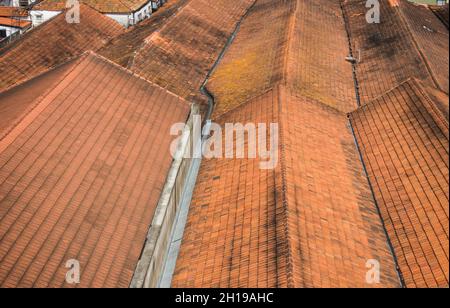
94	54
38	101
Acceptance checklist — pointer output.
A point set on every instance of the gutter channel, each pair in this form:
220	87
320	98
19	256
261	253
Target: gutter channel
358	148
191	179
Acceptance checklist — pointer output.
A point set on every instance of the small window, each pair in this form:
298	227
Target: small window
2	34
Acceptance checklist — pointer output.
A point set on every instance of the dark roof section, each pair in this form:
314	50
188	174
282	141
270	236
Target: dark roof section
393	51
52	44
80	177
404	142
432	39
312	221
123	48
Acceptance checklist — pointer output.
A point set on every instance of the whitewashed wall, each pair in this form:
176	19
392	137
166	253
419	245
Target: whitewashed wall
45	15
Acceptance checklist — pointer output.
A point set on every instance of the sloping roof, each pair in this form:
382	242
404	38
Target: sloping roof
11	11
290	47
400	47
16	23
404	142
312	221
54	43
432	39
80	177
123	48
179	55
15	102
102	6
442	12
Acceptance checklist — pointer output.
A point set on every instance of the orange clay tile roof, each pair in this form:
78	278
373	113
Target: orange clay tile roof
397	48
102	6
293	31
10	11
80	177
406	152
441	12
180	54
432	39
122	48
311	222
16	23
54	43
18	100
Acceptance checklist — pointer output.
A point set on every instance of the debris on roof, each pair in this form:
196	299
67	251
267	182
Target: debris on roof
80	177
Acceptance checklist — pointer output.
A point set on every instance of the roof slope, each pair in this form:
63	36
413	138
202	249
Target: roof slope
16	23
432	38
311	222
179	55
122	48
397	48
11	11
80	177
442	12
54	43
403	141
286	42
102	6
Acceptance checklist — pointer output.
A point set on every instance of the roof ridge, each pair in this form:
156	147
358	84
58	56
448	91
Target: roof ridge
33	111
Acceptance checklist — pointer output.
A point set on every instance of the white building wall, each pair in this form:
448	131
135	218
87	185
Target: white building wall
39	17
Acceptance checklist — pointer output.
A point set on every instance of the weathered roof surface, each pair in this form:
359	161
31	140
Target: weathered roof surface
16	23
404	142
310	222
180	54
11	11
396	49
432	39
293	32
15	102
102	6
80	177
442	12
122	49
52	44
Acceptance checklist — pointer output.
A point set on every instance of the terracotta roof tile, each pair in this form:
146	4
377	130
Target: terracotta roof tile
123	48
311	222
389	53
299	33
102	6
442	12
432	39
180	54
16	23
406	152
80	177
54	43
11	11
